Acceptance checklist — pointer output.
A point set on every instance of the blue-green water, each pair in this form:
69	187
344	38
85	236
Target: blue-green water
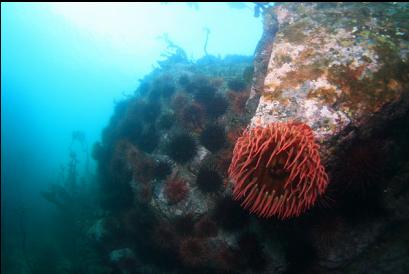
63	67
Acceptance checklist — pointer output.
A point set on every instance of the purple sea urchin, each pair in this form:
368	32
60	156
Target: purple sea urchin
213	137
182	147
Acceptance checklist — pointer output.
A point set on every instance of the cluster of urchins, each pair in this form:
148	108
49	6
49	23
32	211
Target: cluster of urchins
150	137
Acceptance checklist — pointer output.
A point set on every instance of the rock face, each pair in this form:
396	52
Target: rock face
340	68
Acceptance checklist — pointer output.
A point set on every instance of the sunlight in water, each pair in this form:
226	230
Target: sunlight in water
137	26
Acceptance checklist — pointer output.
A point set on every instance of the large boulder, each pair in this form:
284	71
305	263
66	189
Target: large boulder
343	68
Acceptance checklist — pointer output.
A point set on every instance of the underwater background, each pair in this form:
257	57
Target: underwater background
241	137
63	68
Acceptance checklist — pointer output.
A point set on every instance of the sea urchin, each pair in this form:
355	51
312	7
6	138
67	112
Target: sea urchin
182	147
277	170
213	137
208	179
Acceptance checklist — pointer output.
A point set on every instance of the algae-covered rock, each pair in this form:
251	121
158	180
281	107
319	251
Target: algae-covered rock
337	67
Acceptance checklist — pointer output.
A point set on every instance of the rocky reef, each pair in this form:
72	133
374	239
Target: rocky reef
338	75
